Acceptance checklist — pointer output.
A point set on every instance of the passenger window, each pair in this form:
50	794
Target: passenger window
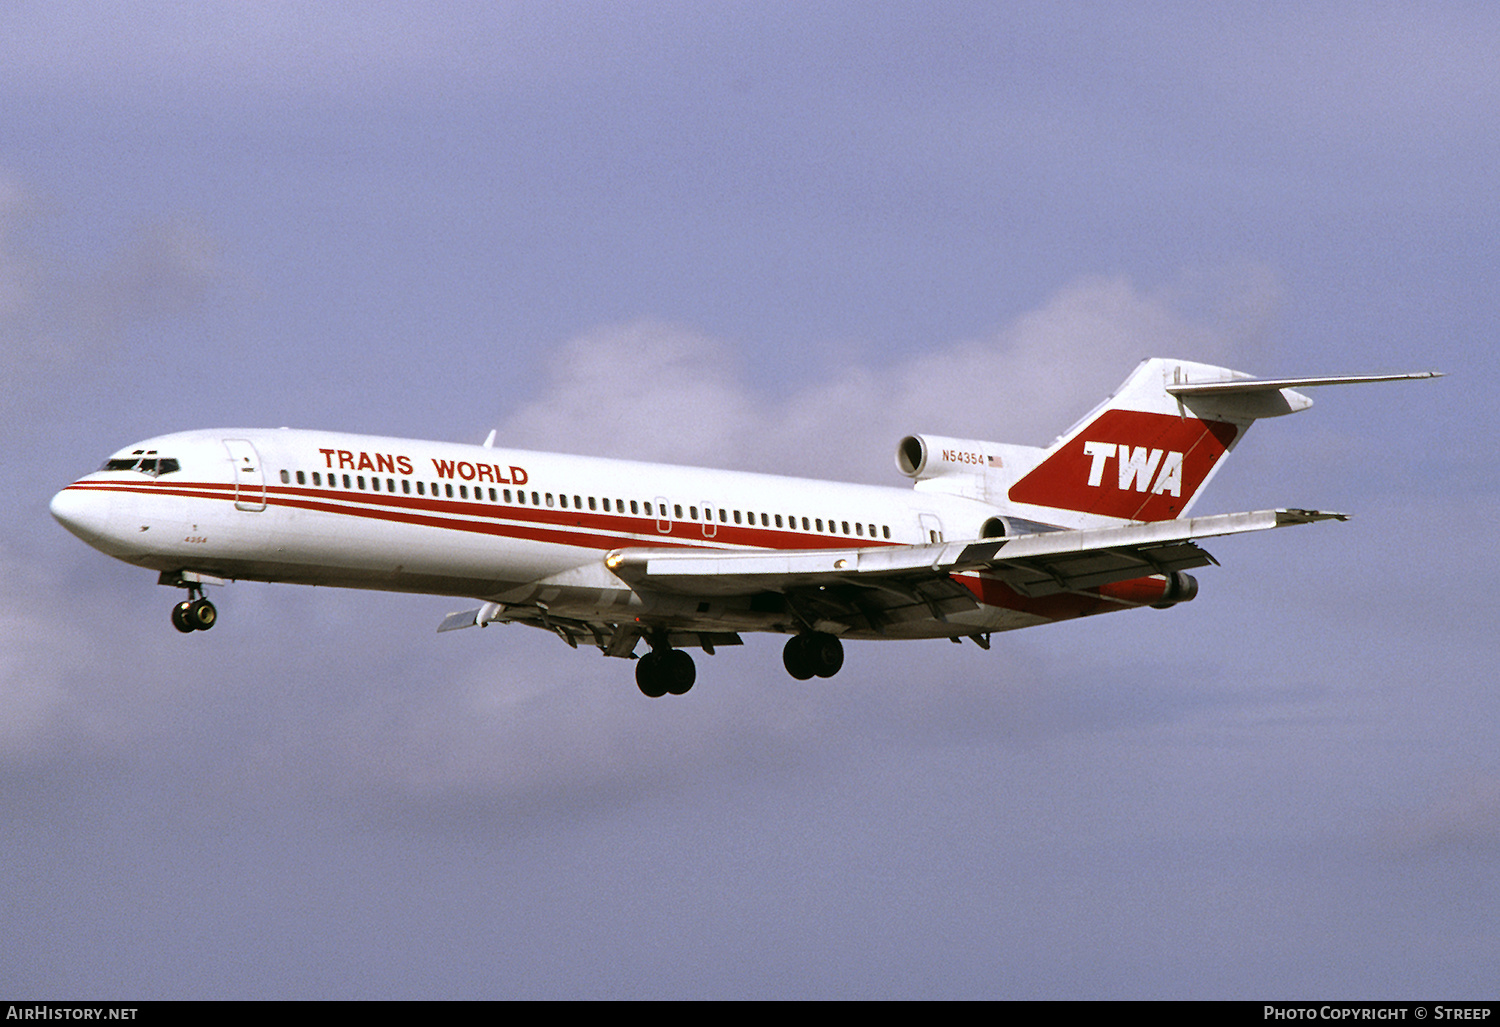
677	511
506	494
591	503
301	478
648	509
846	527
885	530
736	517
390	484
286	479
317	478
493	498
361	481
804	525
778	520
577	503
819	522
693	513
463	492
406	486
859	529
421	489
520	497
633	507
448	489
562	500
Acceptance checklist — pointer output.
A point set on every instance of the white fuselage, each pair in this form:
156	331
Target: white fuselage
500	525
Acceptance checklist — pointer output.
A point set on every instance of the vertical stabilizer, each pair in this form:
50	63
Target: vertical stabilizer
1146	453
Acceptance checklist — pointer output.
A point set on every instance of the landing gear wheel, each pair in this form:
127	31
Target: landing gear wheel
794	658
825	654
817	654
663	671
678	672
201	614
180	614
648	676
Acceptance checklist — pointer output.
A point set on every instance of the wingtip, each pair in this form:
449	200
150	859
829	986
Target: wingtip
1292	515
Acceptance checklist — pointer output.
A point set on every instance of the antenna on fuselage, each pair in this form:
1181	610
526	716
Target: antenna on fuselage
489	440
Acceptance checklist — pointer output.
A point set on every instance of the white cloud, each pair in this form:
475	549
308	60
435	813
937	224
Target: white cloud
53	319
656	391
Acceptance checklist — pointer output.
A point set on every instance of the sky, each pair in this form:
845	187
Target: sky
772	237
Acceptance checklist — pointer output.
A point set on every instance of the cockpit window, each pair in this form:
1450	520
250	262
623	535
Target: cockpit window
144	460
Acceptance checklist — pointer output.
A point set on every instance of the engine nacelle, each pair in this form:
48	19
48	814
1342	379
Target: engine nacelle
1009	527
1181	588
924	457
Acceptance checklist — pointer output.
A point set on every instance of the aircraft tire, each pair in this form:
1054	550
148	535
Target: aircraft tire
202	615
795	658
678	672
825	654
180	614
648	676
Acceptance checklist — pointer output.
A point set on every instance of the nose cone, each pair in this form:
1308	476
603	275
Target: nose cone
86	514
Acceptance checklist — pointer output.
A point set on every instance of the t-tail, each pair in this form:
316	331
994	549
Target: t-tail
1147	452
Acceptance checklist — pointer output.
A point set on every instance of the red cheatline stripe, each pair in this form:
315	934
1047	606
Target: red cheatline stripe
524	522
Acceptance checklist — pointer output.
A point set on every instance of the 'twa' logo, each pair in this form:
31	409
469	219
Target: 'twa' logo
1137	466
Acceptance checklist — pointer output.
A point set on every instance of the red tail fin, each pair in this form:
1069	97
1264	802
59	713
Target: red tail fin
1130	464
1146	453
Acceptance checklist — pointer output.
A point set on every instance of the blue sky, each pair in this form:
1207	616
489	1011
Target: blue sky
774	237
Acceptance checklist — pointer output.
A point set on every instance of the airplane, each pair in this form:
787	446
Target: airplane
991	537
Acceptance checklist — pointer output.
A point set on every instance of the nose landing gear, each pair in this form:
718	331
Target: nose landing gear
194	615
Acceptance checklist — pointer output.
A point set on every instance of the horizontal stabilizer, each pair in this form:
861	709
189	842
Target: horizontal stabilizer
1245	386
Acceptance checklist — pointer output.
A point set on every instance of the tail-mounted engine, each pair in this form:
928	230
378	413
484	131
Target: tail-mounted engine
964	467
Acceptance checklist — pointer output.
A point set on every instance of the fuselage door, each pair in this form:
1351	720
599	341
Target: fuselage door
663	516
249	479
710	528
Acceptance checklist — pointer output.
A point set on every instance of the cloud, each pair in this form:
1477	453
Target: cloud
658	391
55	695
245	51
54	319
1467	818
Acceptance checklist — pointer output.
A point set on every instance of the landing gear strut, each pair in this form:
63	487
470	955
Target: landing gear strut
813	654
663	671
195	613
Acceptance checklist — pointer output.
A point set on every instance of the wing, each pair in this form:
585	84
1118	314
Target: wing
901	582
870	589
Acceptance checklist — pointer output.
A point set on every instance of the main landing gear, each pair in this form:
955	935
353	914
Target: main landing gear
816	654
663	671
195	613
